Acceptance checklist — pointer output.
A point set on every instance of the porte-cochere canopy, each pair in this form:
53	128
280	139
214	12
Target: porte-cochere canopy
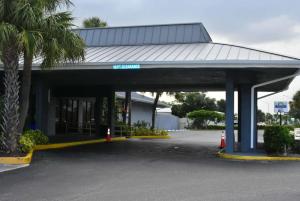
172	57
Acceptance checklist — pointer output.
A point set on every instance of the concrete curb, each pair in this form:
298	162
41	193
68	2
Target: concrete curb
17	160
27	159
257	158
151	137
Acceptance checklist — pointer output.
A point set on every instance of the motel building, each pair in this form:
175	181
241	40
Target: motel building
171	57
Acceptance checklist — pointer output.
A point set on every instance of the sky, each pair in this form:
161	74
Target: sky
271	25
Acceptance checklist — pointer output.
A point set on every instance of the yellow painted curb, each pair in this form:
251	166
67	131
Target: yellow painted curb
27	159
257	158
72	144
17	160
151	137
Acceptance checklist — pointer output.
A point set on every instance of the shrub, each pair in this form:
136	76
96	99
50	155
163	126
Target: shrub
123	128
30	138
26	144
276	138
141	124
148	132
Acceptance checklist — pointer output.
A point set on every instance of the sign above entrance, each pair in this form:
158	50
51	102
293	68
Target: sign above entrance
126	66
281	107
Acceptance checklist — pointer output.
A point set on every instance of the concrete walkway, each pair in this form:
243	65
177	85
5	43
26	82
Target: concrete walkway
5	168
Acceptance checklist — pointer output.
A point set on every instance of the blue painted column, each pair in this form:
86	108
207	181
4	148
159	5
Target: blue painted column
246	119
229	115
255	121
239	115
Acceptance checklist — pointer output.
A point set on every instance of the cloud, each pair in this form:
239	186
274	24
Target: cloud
277	28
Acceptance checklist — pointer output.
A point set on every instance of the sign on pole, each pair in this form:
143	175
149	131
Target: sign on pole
281	107
297	134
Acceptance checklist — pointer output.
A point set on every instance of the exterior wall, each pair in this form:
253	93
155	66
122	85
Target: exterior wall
141	112
167	121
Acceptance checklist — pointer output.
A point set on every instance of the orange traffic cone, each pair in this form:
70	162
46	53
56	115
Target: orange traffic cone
222	144
108	136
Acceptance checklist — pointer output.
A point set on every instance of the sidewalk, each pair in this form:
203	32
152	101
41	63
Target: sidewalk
5	167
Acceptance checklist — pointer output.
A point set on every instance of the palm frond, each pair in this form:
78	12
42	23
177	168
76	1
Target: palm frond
53	5
31	41
8	32
68	46
25	15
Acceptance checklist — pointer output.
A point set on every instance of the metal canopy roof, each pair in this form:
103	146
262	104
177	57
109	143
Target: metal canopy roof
195	55
171	45
145	35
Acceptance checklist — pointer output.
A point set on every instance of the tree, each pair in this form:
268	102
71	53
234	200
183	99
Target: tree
221	105
127	108
154	106
295	106
203	117
269	118
261	116
52	38
9	53
188	102
94	22
38	31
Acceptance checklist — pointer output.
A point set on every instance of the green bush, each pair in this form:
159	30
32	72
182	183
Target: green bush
203	117
30	138
148	132
26	144
276	138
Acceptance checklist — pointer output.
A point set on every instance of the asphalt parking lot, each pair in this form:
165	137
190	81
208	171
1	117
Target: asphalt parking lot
183	168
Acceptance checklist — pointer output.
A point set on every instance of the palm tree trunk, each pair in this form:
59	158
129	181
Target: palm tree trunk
25	91
154	109
10	113
125	109
129	109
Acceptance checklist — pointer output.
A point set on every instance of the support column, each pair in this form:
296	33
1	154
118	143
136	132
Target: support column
246	119
111	112
229	115
80	115
42	94
255	121
51	116
97	116
239	115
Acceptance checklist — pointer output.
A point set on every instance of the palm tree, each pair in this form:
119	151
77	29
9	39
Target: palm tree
57	43
127	108
9	52
33	28
94	22
154	106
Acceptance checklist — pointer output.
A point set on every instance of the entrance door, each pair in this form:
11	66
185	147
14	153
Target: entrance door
74	115
67	115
